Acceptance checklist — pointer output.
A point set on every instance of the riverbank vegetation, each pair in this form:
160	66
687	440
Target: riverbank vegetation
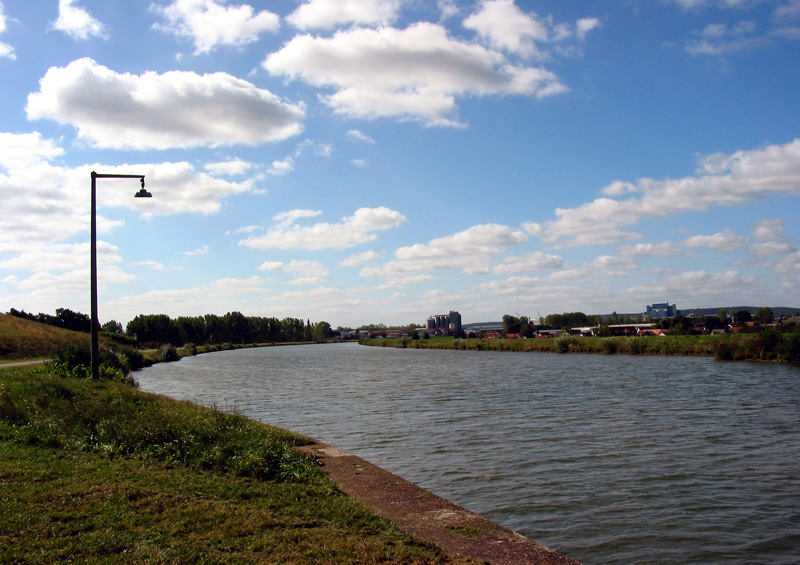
767	345
98	471
153	330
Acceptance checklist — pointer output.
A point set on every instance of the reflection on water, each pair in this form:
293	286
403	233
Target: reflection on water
608	459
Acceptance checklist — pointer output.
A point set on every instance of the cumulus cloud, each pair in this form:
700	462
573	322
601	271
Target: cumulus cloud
504	26
6	51
413	73
161	111
530	263
352	230
360	259
328	14
210	24
301	267
76	21
45	203
733	179
725	241
470	251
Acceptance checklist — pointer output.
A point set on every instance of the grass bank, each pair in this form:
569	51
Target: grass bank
22	339
764	346
94	471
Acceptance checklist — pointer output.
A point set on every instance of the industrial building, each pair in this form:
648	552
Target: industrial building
444	324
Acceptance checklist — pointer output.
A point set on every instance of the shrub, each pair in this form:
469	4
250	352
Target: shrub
790	348
188	350
564	343
609	345
167	353
637	346
74	359
131	357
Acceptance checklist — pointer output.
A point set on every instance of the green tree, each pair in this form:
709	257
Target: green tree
511	324
322	331
764	315
112	326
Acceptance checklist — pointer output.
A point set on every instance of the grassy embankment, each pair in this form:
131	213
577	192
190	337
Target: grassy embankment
765	346
25	340
94	471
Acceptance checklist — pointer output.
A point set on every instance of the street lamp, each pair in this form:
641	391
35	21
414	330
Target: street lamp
140	194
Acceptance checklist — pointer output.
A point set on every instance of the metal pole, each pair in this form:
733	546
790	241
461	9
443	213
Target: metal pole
95	322
95	345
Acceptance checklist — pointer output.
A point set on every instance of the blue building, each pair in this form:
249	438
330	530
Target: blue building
662	310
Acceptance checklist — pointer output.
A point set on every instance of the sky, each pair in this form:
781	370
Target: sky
381	161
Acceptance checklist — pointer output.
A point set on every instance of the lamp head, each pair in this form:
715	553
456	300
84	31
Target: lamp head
142	192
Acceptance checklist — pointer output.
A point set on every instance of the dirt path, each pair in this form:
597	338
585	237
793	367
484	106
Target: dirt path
427	517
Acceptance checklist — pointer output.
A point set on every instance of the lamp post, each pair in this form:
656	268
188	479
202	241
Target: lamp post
140	194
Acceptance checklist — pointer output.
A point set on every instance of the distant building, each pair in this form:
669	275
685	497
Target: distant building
444	324
662	310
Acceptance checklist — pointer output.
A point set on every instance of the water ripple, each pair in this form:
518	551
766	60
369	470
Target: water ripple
609	459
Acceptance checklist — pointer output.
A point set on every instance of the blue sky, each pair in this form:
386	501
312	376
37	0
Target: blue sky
365	161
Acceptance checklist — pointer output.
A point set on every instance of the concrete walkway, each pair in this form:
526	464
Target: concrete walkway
427	517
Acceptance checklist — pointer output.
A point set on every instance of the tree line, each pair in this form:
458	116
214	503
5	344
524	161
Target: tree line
233	327
152	330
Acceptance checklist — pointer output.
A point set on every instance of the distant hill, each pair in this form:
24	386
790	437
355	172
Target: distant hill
24	339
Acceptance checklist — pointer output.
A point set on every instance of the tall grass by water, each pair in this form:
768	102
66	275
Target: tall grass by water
98	471
767	345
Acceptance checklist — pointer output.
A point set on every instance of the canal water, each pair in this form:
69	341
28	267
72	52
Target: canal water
605	458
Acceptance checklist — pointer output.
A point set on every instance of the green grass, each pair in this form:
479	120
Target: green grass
764	346
100	472
24	339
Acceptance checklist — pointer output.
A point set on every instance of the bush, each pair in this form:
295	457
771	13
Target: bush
188	350
563	344
74	359
167	353
131	357
790	348
609	345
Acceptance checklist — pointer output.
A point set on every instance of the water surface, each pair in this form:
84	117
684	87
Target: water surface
608	459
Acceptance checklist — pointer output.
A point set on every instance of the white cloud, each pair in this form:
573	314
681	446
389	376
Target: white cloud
722	39
737	178
210	24
725	241
356	135
161	111
470	251
231	168
6	51
663	249
328	14
359	259
199	251
352	230
532	262
505	26
414	73
77	22
302	267
282	167
44	203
